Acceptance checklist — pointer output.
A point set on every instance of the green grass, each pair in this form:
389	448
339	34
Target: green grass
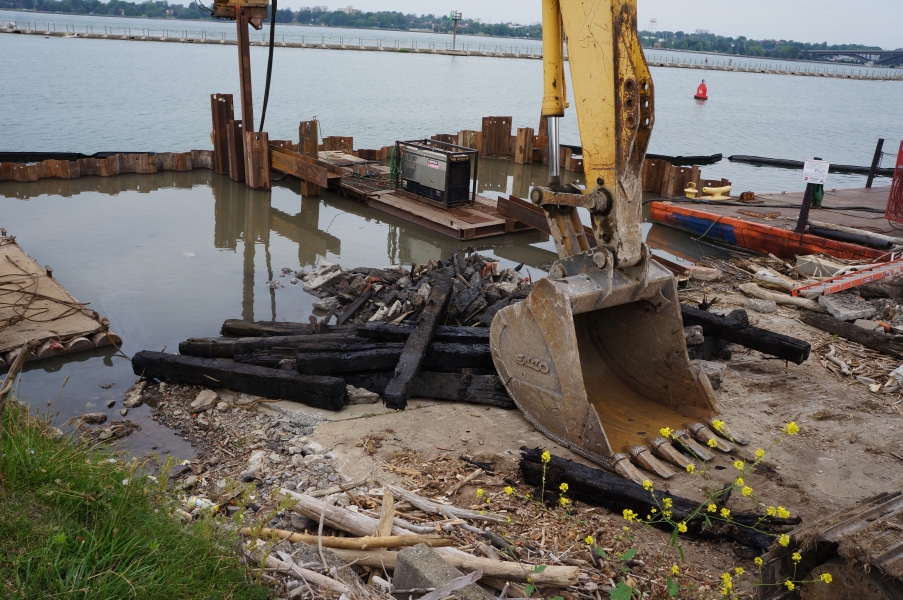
69	528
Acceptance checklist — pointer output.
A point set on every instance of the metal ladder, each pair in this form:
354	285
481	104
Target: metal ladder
850	280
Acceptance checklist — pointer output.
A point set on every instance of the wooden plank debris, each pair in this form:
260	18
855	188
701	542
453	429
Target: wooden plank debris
399	389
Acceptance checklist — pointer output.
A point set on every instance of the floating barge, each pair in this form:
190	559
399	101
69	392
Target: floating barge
34	305
767	223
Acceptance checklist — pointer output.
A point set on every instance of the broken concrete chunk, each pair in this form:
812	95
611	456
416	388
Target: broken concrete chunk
321	278
847	306
204	401
869	325
762	306
355	395
94	418
422	567
713	370
327	304
132	395
694	335
255	463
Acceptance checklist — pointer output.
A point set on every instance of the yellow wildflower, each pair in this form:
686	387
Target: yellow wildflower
629	514
666	432
784	539
589	540
668	502
488	500
772	511
712	508
826	577
563	487
746	491
758	561
739	465
509	490
546	457
682	527
711	443
789	585
691	468
479	492
796	557
675	570
783	512
718	425
654	510
647	485
740	481
791	428
759	453
666	514
725	512
739	571
564	501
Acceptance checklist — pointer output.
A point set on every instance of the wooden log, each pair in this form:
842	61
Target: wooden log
350	310
446	510
229	347
438	356
307	575
551	576
755	338
601	488
239	328
454	387
316	391
336	517
870	339
751	289
453	334
358	543
398	391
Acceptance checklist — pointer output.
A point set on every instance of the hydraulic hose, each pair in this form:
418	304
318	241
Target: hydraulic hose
266	90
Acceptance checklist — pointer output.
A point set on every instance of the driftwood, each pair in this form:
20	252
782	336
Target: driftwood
313	390
601	488
303	574
551	576
740	332
361	543
412	357
455	387
751	289
337	517
439	356
446	510
870	339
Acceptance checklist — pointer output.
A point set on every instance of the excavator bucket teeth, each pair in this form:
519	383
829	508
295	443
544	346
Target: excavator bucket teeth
663	449
692	446
721	429
704	436
645	459
600	367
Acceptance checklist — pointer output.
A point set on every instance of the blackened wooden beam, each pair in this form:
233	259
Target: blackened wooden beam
881	342
399	389
313	390
454	387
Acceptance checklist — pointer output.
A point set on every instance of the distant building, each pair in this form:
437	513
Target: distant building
349	10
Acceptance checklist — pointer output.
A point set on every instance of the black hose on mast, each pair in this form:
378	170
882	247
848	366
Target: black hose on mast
266	90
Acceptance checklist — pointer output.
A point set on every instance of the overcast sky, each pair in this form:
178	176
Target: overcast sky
871	22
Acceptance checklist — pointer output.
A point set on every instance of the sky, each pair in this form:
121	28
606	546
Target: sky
870	22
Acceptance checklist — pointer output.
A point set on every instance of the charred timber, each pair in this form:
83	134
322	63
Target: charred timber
454	387
439	357
385	332
313	390
601	488
736	328
239	328
870	339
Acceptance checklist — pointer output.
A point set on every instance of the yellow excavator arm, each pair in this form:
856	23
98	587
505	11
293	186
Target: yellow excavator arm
596	357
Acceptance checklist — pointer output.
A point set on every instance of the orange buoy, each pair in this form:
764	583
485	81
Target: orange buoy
702	92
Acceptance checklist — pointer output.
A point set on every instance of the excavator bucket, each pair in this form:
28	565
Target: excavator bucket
598	362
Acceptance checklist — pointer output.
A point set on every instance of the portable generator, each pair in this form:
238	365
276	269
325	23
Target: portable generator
437	172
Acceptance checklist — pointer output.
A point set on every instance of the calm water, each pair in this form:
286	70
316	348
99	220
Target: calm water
170	256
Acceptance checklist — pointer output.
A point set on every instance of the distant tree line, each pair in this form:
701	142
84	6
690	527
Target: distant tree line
317	15
741	46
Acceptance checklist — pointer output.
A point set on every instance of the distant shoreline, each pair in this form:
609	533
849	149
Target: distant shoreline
293	24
